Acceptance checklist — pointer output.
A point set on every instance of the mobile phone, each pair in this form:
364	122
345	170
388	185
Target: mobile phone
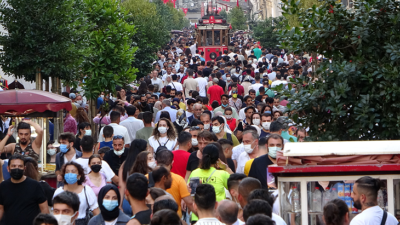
194	182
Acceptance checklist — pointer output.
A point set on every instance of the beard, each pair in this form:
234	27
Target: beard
23	141
357	204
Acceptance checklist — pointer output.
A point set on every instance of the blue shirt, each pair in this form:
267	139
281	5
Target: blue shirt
172	114
106	144
100	102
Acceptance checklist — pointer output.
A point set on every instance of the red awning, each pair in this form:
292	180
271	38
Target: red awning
22	101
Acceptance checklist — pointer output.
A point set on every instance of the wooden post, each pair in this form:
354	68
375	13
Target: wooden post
47	85
38	80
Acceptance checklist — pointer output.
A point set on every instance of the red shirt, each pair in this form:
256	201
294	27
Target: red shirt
184	78
209	108
232	124
215	93
181	158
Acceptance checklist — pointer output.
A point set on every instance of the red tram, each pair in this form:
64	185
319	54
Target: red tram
212	35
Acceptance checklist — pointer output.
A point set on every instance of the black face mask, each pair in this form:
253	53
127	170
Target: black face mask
143	104
16	174
95	168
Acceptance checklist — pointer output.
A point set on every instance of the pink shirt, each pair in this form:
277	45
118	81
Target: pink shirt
96	189
70	125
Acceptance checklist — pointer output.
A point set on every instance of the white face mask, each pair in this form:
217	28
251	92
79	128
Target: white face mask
216	130
272	151
256	122
206	126
194	142
79	102
51	151
162	130
152	164
248	148
228	78
120	152
64	219
101	96
228	117
266	125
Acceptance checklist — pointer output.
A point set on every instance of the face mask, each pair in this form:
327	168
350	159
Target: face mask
272	151
71	178
88	132
51	151
110	205
64	148
206	126
248	149
162	130
101	96
64	219
266	125
224	105
120	152
268	112
234	95
16	174
95	168
228	78
79	102
152	164
228	117
256	122
216	130
194	142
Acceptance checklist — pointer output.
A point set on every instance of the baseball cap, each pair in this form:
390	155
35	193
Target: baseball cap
72	95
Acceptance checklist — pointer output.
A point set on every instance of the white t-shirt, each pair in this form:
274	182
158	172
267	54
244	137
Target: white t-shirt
279	82
111	222
118	130
278	220
241	162
272	76
236	151
132	125
202	82
373	216
159	82
91	199
256	86
105	168
176	85
209	221
163	141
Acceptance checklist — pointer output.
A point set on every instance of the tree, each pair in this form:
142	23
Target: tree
151	33
112	54
237	19
224	14
267	31
173	19
356	96
43	35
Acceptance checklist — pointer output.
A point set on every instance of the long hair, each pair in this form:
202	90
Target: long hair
81	116
140	165
32	169
171	132
137	146
142	88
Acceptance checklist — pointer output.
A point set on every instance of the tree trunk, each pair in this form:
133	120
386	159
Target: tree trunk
39	80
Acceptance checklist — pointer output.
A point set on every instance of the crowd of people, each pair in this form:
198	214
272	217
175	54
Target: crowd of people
190	145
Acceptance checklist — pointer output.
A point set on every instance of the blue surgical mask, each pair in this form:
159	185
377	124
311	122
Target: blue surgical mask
88	132
272	151
110	205
224	105
268	112
71	178
64	148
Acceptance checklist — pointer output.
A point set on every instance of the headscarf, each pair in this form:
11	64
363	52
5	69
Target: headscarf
108	215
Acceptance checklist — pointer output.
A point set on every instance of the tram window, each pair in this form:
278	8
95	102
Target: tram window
217	37
209	40
223	37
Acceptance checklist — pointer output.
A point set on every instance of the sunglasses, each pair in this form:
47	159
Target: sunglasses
118	137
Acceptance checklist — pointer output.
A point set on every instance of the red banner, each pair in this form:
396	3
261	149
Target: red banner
185	10
173	2
219	10
202	10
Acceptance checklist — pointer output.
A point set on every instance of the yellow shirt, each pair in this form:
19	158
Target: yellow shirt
247	166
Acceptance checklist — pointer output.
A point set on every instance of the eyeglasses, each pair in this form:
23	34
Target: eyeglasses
195	128
118	137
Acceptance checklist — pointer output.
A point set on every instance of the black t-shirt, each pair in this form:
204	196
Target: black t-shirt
193	162
115	161
48	191
143	216
222	84
231	164
77	143
21	201
258	169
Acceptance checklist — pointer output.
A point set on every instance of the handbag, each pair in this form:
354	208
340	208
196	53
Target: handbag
89	214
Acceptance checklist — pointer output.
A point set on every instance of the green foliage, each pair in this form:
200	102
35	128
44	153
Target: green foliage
267	31
110	62
293	19
151	33
224	14
43	34
357	95
237	19
174	19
